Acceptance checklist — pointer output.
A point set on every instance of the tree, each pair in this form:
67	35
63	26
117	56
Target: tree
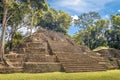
17	14
17	38
86	20
13	14
113	34
99	33
96	33
6	5
55	20
1	10
36	8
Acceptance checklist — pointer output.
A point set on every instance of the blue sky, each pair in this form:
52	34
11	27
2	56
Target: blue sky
76	7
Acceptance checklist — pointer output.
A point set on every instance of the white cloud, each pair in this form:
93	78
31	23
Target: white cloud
119	10
81	5
106	16
74	17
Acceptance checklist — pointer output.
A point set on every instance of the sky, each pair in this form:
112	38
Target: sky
76	7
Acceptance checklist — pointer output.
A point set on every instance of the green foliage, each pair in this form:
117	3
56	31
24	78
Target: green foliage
107	75
36	4
94	35
102	33
16	39
16	14
113	35
116	21
84	22
86	19
35	12
8	3
55	20
16	11
78	38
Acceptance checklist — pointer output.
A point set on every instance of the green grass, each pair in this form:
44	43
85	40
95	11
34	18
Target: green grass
107	75
100	48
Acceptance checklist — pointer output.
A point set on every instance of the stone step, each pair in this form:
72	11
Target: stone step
75	66
14	56
41	63
78	69
83	70
75	54
75	58
11	69
80	65
15	60
41	58
37	44
77	62
66	48
38	51
17	64
39	55
36	67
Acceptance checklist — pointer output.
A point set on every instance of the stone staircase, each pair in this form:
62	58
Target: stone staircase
79	63
75	59
38	58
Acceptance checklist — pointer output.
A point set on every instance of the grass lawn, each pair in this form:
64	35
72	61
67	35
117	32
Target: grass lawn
107	75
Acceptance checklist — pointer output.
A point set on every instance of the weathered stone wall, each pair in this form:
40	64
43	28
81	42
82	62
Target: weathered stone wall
111	55
42	67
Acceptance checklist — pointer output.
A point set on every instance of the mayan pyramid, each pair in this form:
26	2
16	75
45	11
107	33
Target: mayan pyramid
49	51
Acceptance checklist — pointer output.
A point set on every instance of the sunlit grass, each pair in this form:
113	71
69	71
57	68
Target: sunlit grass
100	48
106	75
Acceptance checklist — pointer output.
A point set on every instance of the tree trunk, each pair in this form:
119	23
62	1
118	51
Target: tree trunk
31	26
2	51
88	40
